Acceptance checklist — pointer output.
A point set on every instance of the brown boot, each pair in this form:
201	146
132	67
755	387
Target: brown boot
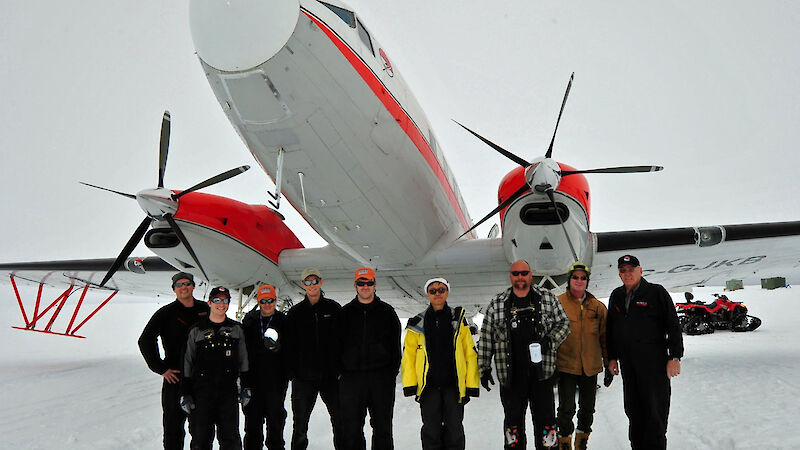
565	442
581	440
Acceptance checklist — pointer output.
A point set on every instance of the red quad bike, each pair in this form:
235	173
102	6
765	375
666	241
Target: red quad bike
704	318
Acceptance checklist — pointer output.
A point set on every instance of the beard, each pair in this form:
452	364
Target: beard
522	284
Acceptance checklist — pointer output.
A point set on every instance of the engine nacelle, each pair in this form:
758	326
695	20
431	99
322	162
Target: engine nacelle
234	241
531	227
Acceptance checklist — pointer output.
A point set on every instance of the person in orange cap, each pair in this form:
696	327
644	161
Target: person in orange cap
263	331
369	361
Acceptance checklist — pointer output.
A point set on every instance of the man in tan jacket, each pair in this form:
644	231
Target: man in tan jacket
580	358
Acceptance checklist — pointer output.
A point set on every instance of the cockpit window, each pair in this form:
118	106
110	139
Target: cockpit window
365	37
347	16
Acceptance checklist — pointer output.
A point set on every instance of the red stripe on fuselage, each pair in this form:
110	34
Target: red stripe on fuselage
396	110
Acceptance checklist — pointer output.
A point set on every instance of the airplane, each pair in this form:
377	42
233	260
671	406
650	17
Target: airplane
326	114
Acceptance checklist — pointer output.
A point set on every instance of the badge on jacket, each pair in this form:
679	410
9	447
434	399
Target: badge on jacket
641	304
227	353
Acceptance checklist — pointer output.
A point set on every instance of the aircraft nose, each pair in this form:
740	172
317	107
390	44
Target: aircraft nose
235	35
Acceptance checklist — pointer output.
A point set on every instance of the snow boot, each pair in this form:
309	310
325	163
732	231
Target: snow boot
565	442
581	440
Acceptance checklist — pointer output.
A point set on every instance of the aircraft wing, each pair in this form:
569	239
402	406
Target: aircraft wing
477	270
149	276
678	258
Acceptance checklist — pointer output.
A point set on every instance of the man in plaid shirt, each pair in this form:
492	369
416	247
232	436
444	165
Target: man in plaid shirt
522	329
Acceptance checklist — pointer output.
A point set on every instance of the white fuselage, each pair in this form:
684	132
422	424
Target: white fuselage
361	163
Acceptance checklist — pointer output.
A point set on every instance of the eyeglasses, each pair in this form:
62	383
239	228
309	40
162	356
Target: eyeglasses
517	273
184	284
311	282
264	301
435	291
576	277
365	283
220	300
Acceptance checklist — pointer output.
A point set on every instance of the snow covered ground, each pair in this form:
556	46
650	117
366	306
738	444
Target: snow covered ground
737	391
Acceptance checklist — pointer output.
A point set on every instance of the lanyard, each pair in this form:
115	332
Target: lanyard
264	328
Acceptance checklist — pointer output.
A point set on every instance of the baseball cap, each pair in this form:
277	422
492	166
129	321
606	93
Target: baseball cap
365	272
266	291
182	276
310	271
628	259
219	291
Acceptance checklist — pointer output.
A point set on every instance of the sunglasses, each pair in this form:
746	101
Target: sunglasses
517	273
626	269
184	284
576	277
264	301
365	283
311	282
220	300
435	291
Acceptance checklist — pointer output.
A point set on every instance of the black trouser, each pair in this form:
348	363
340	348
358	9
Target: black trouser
646	390
304	396
218	406
515	399
174	418
266	403
586	387
442	419
361	392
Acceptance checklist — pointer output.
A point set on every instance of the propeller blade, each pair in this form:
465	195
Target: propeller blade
501	150
214	180
621	169
182	237
109	190
128	249
500	207
163	148
563	102
561	220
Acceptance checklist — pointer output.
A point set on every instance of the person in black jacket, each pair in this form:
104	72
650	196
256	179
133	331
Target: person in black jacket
215	357
171	323
644	339
312	358
264	328
369	336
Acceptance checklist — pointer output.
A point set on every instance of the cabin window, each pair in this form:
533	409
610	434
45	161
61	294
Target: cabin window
543	214
347	16
364	34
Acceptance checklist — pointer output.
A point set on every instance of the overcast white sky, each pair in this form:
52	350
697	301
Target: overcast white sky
707	89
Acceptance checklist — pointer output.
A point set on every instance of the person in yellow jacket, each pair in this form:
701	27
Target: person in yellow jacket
580	358
440	368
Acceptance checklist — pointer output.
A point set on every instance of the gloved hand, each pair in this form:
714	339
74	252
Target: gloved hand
608	378
244	396
486	380
187	404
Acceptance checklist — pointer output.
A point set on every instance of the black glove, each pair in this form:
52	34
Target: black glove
608	378
486	380
244	396
465	400
187	404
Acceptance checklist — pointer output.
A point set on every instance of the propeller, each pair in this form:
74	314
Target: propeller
162	204
543	175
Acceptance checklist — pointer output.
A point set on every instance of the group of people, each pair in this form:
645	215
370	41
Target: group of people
350	356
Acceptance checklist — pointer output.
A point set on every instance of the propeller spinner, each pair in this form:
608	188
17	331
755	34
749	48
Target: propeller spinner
162	204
